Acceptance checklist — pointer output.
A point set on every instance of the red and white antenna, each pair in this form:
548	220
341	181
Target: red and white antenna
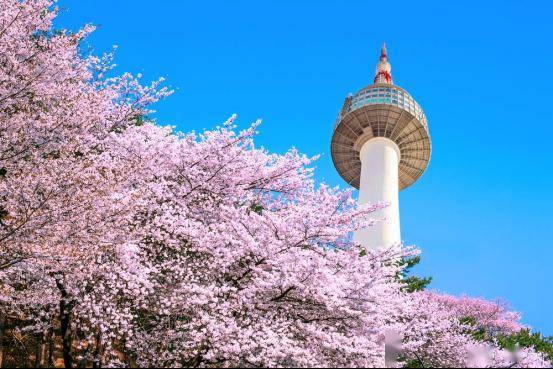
383	68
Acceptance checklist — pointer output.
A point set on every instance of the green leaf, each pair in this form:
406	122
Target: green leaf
257	209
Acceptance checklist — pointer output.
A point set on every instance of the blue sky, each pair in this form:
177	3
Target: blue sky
481	70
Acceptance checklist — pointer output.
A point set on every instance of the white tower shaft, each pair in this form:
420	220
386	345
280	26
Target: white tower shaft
380	158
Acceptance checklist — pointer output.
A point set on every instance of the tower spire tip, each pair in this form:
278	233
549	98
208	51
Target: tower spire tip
383	51
383	68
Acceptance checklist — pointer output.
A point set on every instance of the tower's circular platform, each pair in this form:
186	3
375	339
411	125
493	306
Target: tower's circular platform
381	110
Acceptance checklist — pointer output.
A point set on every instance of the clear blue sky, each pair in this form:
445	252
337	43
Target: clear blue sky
481	70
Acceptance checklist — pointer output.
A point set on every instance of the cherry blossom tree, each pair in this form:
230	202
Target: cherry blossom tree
59	115
251	263
442	332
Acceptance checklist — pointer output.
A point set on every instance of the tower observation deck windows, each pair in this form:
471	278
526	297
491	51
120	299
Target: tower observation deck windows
385	95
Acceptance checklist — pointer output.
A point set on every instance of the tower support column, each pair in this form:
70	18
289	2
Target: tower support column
380	158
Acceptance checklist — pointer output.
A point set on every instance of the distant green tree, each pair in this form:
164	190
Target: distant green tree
521	339
525	338
412	283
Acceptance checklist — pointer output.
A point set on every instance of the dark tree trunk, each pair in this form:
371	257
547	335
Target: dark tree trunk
2	323
43	348
51	340
39	350
66	306
97	363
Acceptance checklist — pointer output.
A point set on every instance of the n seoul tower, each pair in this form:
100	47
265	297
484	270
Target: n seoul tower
380	146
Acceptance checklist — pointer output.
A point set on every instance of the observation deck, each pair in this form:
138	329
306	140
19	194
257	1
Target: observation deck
381	110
